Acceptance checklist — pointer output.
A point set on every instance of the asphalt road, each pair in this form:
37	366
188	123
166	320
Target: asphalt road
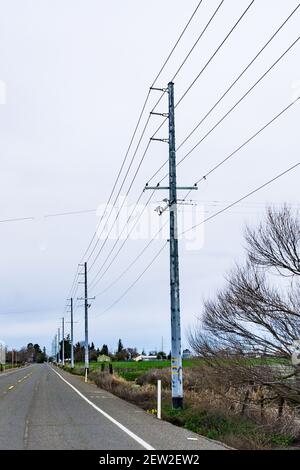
42	407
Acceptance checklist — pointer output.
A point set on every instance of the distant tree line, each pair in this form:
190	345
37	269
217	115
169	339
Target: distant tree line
32	353
120	354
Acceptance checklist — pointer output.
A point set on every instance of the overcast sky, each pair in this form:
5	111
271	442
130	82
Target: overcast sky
76	74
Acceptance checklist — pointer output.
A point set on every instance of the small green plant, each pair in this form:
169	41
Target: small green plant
281	440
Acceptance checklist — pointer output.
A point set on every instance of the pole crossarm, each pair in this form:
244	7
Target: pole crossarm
164	90
167	188
165	115
86	298
156	139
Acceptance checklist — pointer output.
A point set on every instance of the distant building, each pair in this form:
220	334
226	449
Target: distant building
152	353
103	358
145	358
186	354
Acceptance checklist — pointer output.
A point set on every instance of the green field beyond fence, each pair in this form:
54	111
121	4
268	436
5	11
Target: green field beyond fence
131	370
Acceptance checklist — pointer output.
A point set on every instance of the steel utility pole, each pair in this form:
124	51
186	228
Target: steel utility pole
55	346
72	335
176	364
176	360
58	345
72	331
86	323
63	342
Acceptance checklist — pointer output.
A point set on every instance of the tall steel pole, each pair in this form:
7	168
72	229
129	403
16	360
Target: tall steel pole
58	345
63	342
176	361
55	346
72	335
86	325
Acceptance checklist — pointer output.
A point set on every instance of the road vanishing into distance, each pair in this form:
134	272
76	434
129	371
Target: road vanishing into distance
42	407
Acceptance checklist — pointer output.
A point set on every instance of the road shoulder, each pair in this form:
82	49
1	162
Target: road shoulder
161	435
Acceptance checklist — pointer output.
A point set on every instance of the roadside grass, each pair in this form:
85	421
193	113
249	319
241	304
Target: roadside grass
235	431
205	412
9	366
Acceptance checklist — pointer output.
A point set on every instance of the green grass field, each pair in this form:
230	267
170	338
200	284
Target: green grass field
132	370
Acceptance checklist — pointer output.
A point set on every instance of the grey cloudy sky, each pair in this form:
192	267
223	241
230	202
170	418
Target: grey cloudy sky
76	74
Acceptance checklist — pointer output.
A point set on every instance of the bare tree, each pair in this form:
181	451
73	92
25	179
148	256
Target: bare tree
276	242
257	313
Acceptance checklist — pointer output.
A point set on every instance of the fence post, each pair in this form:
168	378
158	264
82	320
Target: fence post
159	399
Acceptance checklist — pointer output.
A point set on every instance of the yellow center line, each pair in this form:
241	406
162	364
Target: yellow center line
19	381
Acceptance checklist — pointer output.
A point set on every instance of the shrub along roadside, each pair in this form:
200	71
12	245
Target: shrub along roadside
203	413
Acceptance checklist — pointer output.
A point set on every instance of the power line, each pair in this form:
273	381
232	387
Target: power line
198	39
118	239
136	281
132	263
215	53
60	214
120	170
17	219
241	99
201	223
144	130
210	172
240	76
243	198
188	230
248	141
119	210
185	60
46	216
216	105
222	162
176	44
138	124
230	110
246	204
207	63
178	70
121	187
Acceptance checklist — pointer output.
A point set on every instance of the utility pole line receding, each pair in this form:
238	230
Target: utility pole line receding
86	324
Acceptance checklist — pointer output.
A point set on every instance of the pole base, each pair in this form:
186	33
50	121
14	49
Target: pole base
177	403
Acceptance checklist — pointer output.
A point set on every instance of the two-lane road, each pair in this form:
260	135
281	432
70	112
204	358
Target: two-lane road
45	408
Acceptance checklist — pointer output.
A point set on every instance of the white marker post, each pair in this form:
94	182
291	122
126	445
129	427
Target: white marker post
159	399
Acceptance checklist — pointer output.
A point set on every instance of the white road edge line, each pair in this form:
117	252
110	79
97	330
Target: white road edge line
110	418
